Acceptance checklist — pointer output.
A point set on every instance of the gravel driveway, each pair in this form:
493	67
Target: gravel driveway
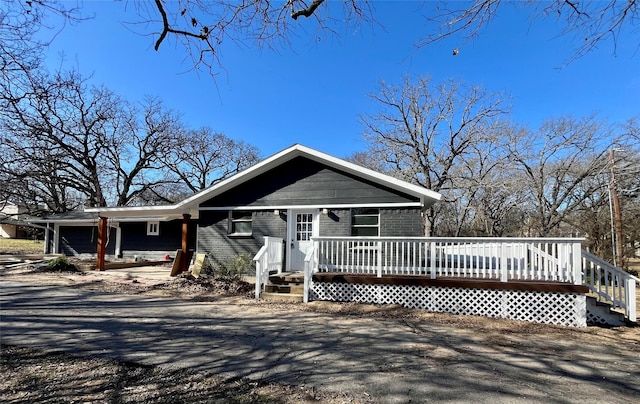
403	359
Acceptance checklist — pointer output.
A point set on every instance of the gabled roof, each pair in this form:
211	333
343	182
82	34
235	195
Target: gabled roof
426	196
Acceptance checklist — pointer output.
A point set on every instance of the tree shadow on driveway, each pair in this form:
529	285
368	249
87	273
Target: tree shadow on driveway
392	360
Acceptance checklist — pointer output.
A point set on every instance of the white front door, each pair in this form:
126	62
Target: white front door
302	226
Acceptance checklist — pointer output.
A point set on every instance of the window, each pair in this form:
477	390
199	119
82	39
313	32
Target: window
153	228
365	222
240	223
304	226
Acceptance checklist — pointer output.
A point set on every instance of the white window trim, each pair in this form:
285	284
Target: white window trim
232	221
370	226
153	228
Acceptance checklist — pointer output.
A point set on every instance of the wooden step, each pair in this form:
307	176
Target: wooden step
274	288
287	277
288	297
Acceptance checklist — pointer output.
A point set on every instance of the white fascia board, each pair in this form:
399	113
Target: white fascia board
81	223
70	222
130	219
135	211
327	206
370	174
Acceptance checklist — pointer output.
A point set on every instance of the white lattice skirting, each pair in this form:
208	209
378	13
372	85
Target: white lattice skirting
540	307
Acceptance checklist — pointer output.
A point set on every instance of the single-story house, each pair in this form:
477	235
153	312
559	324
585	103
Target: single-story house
295	195
357	235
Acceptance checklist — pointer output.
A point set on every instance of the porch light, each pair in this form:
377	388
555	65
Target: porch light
325	211
276	212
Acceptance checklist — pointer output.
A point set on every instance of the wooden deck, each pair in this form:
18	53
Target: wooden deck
457	282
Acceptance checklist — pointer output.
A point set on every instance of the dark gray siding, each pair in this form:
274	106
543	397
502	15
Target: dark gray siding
393	223
76	240
400	223
135	240
213	238
337	223
305	182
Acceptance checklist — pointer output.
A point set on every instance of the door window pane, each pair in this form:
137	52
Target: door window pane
304	226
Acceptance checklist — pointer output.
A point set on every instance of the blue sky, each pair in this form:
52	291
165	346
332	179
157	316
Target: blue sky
314	93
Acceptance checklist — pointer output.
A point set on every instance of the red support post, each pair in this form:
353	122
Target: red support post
102	242
184	264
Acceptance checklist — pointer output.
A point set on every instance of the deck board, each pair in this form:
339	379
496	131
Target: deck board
473	283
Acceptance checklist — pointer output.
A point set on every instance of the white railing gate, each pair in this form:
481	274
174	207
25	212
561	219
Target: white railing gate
268	259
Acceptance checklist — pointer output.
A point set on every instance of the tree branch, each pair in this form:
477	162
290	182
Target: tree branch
306	12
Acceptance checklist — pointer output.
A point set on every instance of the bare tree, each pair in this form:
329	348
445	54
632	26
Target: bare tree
202	26
423	131
203	158
72	145
559	162
20	21
68	122
589	22
486	196
75	145
138	149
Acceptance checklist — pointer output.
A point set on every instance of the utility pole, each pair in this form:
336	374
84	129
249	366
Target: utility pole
617	214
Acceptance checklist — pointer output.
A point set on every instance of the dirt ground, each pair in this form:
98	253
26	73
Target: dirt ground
40	376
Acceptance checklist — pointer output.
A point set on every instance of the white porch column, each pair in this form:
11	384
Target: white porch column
56	238
118	251
46	239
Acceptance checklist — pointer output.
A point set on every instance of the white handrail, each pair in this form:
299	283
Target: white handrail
268	258
504	259
610	283
310	263
261	266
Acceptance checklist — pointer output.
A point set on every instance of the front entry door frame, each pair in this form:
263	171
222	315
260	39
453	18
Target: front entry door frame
298	239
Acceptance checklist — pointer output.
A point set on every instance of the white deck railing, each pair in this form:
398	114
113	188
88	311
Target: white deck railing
503	259
268	259
611	284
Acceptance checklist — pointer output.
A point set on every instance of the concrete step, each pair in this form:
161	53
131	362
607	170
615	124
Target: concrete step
288	297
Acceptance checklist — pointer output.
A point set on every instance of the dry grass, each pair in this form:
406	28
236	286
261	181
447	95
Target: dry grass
46	377
21	246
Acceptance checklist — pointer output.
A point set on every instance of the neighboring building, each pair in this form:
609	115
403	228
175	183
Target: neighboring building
14	221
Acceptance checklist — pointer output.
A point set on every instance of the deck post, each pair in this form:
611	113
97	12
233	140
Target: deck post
630	289
379	258
102	243
184	265
504	263
258	278
432	260
576	261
